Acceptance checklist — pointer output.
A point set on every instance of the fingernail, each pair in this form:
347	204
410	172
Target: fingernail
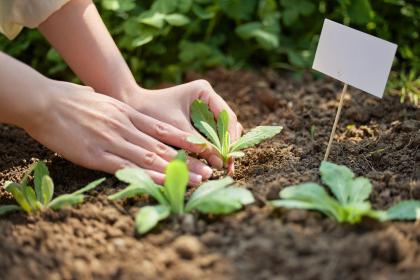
207	172
195	178
216	161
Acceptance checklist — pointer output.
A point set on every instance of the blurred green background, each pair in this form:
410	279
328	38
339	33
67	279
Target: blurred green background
163	39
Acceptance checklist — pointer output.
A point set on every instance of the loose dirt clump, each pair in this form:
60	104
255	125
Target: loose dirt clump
379	139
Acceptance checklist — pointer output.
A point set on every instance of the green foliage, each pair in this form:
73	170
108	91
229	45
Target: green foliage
31	199
213	197
163	39
350	203
218	135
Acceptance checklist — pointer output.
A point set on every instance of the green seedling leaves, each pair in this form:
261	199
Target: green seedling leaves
225	201
338	178
256	136
6	209
149	216
218	134
66	200
404	210
213	197
31	199
350	203
204	121
309	196
40	170
176	184
47	189
17	191
140	183
89	186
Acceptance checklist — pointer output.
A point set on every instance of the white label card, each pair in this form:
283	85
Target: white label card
353	57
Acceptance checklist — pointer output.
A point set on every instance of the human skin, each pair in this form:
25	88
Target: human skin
78	33
87	128
136	127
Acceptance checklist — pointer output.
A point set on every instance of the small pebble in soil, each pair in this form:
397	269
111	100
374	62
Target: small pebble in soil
187	246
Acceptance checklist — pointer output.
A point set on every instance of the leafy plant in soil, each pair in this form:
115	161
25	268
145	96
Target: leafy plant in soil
31	199
212	197
349	202
218	135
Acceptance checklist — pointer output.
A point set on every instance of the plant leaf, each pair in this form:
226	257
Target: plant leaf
16	190
315	195
66	200
156	20
222	131
5	209
255	136
177	19
176	184
338	178
403	210
360	190
30	197
40	170
148	217
47	189
224	201
89	186
139	177
204	121
130	191
205	189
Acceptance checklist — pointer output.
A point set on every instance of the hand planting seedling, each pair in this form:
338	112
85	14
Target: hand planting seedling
213	197
218	134
350	203
32	200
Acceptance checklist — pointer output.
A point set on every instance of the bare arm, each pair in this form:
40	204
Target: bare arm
78	33
80	36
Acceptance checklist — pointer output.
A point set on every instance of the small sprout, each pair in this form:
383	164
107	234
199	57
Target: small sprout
350	201
218	134
213	197
31	199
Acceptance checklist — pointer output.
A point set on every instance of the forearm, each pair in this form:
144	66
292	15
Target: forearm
78	33
21	92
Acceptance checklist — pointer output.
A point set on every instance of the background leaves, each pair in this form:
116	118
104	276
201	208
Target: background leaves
163	39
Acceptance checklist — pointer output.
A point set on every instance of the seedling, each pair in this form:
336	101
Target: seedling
33	200
212	197
218	134
350	201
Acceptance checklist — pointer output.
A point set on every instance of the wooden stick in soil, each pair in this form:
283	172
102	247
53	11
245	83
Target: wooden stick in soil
337	117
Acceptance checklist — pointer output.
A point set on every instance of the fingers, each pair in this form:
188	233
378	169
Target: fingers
165	152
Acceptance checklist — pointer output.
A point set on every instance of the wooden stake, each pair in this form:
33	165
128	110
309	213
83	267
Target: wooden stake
337	117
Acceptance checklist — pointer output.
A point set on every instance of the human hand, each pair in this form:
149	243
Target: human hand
102	133
172	106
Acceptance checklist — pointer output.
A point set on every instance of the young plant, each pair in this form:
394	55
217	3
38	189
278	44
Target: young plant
218	135
349	202
31	199
213	197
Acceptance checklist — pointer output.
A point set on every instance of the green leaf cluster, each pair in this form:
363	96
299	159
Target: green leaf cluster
163	39
218	135
212	197
32	199
349	202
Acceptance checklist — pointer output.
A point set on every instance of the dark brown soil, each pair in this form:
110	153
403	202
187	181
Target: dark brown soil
376	138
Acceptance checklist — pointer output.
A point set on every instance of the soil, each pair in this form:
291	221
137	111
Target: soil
376	138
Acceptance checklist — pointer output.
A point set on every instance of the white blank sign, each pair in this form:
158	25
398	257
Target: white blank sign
353	57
